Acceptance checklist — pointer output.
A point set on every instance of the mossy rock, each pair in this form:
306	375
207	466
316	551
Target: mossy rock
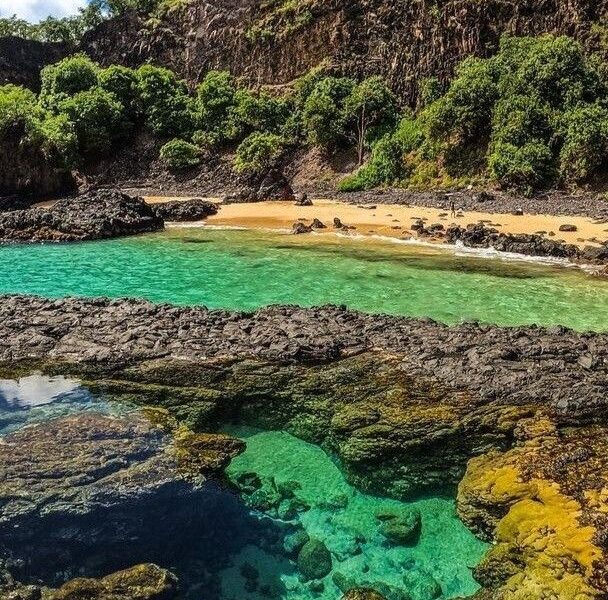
362	594
314	560
402	529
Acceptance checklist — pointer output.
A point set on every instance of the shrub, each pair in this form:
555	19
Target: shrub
585	147
123	83
179	154
258	111
97	116
165	101
524	168
258	152
17	105
66	78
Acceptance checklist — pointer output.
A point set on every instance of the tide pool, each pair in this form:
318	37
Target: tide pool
244	270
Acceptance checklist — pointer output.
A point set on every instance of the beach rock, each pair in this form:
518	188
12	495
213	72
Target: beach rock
109	478
479	236
195	209
299	228
142	582
314	560
303	200
271	186
568	227
99	214
338	223
316	224
402	529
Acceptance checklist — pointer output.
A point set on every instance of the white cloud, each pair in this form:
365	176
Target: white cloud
35	10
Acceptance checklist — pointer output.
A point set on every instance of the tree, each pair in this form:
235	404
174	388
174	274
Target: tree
165	102
215	98
97	116
324	116
370	104
66	78
258	152
123	83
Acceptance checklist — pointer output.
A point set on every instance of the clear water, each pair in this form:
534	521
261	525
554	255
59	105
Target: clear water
345	520
36	398
248	269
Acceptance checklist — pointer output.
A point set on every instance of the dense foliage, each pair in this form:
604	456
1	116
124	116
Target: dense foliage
533	115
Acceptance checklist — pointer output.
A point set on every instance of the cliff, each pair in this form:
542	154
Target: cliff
275	42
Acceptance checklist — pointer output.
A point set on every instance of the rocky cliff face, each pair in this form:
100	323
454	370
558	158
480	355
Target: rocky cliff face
21	60
272	43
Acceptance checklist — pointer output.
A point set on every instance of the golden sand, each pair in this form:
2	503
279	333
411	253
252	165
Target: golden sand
395	220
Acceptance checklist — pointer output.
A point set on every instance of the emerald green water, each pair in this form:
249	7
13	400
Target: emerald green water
248	269
344	519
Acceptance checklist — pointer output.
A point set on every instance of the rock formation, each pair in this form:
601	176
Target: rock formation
97	214
194	209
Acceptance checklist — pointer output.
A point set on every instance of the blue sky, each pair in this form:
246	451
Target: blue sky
34	10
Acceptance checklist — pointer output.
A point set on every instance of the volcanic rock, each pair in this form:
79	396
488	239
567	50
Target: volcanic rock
194	209
98	214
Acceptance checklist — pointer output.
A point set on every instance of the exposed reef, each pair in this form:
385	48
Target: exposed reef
97	214
409	406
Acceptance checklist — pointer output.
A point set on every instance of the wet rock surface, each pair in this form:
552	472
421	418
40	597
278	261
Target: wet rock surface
195	209
98	214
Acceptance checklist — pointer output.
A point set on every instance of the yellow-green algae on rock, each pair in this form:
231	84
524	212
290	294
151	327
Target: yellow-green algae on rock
545	505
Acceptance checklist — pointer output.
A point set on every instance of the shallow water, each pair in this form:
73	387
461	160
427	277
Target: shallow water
241	549
344	519
238	269
35	398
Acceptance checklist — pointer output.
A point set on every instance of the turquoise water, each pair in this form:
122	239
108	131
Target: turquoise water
249	269
332	511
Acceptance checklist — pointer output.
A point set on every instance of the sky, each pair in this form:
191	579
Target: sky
35	10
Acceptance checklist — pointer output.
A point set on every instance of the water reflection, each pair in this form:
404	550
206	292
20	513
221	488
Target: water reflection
35	390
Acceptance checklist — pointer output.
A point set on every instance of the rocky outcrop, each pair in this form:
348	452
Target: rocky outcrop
26	170
480	236
194	209
543	503
75	488
271	186
404	41
22	60
97	214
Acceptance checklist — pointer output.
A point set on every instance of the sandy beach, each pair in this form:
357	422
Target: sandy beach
395	220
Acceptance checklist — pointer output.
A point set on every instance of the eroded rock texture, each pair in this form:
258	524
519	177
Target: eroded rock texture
92	491
405	41
408	405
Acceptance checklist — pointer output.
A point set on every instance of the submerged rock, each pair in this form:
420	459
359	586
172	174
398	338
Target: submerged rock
98	214
299	227
402	529
362	594
74	488
314	560
194	209
142	582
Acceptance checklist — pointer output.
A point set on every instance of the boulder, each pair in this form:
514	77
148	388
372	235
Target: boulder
567	227
98	214
299	228
195	209
314	560
142	582
303	200
316	224
402	529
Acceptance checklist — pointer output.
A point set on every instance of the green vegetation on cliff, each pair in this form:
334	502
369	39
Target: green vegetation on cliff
533	116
